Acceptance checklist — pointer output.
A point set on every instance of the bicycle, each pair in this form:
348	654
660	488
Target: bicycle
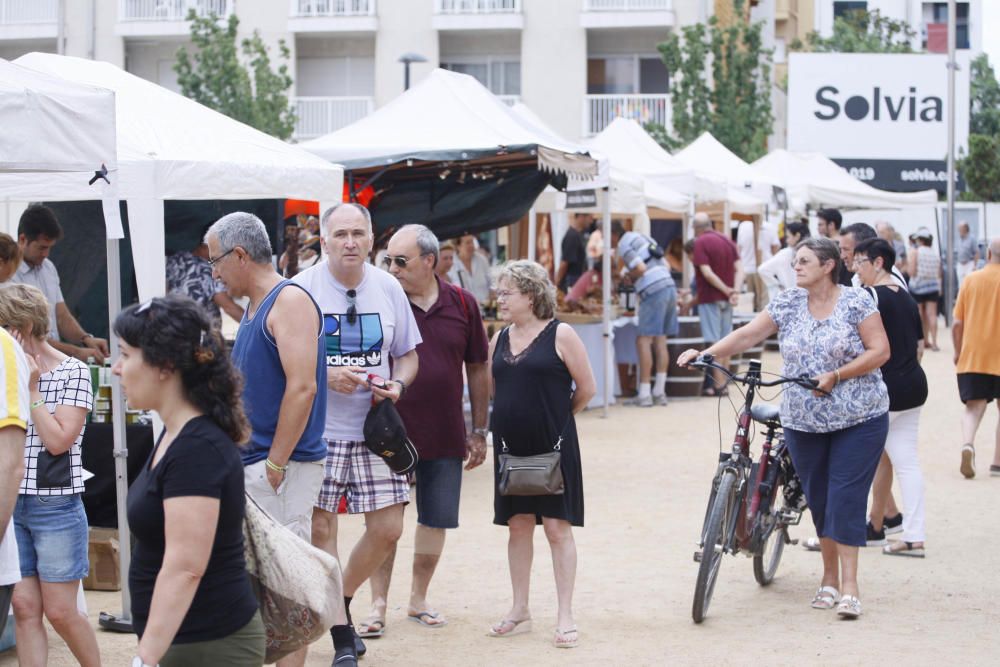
741	512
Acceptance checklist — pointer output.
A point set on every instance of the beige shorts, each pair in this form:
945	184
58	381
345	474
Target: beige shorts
292	504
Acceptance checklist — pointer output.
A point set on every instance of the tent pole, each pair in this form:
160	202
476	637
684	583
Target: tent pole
606	298
949	280
123	621
532	232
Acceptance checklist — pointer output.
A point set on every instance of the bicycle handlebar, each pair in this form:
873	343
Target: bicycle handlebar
708	361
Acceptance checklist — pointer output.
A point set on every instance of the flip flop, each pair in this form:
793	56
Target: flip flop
421	618
371	629
519	628
908	550
561	639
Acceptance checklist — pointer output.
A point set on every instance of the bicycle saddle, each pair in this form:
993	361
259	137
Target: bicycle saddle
766	414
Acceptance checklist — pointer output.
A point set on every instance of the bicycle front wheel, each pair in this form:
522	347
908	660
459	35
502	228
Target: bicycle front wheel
715	538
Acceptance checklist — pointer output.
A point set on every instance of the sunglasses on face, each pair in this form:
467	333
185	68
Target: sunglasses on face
400	260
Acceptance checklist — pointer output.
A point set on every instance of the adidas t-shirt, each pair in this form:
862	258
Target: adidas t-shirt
383	327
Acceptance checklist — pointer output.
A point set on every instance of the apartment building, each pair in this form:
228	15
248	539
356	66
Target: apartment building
577	63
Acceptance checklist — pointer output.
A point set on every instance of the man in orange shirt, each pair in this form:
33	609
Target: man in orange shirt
977	354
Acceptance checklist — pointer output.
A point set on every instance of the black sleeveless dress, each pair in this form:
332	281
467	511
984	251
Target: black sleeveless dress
534	393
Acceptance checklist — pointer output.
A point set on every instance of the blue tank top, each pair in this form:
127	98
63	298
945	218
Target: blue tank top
256	355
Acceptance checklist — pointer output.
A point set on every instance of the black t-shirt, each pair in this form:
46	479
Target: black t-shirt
574	253
846	275
201	461
902	374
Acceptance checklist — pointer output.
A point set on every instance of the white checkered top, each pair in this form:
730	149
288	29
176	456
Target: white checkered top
67	384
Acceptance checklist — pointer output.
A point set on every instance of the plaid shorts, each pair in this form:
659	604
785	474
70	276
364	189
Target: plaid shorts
366	480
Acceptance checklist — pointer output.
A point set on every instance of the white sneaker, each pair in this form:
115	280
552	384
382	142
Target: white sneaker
659	399
645	402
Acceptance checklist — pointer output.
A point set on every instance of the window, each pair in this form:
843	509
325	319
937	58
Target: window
841	8
627	75
502	77
936	26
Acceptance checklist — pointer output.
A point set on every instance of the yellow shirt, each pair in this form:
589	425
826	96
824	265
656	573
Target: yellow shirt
978	308
14	396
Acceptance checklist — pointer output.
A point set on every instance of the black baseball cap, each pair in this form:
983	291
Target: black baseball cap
385	436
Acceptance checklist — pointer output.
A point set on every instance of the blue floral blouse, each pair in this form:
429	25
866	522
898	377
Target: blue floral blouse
813	347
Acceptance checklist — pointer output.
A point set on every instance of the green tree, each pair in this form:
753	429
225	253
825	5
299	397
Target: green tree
861	31
981	167
720	83
984	98
247	89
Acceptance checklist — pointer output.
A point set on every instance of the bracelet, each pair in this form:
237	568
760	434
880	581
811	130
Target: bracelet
482	432
85	336
274	466
836	373
37	404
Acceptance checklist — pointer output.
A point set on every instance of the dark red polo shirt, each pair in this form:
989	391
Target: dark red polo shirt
453	334
715	250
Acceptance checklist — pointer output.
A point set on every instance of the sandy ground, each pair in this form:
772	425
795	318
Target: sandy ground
636	575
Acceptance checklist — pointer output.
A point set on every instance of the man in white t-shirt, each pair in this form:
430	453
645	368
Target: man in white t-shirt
366	321
13	422
748	240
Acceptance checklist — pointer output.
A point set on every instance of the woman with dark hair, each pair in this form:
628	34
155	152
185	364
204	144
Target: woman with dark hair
192	603
907	385
836	432
777	272
925	283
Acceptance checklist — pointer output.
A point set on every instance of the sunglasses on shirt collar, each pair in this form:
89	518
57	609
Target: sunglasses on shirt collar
352	306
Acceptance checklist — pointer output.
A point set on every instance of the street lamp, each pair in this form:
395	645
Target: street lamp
406	59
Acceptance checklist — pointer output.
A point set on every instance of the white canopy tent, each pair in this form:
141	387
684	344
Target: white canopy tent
168	147
811	179
748	190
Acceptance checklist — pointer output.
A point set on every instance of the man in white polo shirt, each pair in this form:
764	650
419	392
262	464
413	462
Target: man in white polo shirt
13	422
37	232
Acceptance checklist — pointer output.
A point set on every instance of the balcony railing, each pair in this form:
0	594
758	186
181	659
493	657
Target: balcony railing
317	116
477	6
332	8
600	110
17	12
627	5
171	10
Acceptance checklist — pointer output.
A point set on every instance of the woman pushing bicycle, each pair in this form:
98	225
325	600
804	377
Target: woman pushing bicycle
836	432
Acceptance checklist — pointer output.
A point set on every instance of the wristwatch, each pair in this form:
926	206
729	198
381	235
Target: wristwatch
85	336
402	387
481	431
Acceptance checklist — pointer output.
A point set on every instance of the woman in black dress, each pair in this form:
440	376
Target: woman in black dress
535	363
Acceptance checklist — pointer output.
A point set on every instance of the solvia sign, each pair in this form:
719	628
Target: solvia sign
870	107
878	106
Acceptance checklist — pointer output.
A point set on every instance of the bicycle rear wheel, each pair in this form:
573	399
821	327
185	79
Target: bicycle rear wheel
715	538
772	533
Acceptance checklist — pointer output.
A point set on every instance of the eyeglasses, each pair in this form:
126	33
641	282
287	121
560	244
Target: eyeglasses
352	307
860	260
213	262
505	294
401	260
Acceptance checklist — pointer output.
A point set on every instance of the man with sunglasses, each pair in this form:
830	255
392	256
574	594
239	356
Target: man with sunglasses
367	322
279	351
453	338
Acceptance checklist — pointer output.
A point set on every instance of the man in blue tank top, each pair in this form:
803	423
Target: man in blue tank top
279	350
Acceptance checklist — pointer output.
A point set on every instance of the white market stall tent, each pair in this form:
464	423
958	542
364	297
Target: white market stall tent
170	147
748	190
167	147
811	179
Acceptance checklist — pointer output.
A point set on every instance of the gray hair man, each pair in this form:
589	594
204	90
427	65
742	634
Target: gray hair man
967	253
850	236
367	322
453	338
279	351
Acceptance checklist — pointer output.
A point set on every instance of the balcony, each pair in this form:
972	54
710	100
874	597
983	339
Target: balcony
627	14
600	110
317	116
162	18
29	19
332	16
478	15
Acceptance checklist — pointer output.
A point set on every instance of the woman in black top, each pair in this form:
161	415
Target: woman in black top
192	603
534	364
907	385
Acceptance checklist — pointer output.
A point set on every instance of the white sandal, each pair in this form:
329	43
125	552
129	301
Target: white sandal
826	598
849	607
